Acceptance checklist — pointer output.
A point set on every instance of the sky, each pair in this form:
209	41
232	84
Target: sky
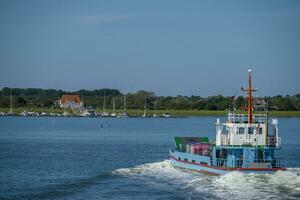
170	47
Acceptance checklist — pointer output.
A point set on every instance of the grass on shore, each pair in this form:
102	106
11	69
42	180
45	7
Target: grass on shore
158	112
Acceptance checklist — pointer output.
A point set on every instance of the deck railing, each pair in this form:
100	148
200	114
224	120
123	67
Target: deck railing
275	163
243	118
271	142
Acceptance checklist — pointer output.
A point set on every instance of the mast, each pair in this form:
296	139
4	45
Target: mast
114	106
124	107
267	123
104	102
10	101
155	107
145	106
250	106
250	99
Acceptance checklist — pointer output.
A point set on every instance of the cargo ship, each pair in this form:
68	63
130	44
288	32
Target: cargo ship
244	142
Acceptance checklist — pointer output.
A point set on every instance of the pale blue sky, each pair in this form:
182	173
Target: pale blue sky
169	47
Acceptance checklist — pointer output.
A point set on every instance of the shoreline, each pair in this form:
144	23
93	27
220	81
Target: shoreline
139	113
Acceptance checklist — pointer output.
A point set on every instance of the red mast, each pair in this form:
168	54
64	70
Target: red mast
250	100
250	108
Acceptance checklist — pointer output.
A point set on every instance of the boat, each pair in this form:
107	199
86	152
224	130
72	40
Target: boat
83	113
104	113
244	143
24	113
66	114
166	115
114	114
154	115
145	108
11	112
124	113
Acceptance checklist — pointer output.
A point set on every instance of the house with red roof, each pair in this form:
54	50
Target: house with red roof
70	101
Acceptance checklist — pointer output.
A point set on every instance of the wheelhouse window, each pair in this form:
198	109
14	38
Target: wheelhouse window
241	130
250	130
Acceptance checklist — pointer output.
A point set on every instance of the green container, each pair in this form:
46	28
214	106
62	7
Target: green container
189	140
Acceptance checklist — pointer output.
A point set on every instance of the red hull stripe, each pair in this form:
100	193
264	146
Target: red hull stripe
229	169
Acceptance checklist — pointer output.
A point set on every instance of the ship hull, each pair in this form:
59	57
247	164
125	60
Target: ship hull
187	164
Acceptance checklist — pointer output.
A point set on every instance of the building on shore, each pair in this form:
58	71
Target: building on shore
70	101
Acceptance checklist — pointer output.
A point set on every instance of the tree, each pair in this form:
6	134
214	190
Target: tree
20	102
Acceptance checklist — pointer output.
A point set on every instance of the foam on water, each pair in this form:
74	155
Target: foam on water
159	170
235	185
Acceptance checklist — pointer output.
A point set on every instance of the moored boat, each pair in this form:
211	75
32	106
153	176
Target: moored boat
243	143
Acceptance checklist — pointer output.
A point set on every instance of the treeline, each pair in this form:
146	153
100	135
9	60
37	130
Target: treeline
46	98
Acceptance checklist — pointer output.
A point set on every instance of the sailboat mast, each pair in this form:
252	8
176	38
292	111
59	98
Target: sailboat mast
104	102
114	106
10	100
145	106
155	107
124	107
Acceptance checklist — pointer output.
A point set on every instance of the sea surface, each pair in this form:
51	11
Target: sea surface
126	158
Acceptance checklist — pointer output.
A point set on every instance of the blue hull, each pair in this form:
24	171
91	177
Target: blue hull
202	164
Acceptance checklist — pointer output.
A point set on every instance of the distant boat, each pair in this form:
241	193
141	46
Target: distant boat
52	114
124	113
24	113
166	115
66	114
114	114
104	113
84	113
30	113
145	108
10	103
154	115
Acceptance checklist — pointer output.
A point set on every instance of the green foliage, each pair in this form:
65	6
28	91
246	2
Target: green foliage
45	98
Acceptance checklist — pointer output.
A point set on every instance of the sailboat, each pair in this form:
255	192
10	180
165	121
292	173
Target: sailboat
145	108
124	114
114	114
10	102
154	115
104	113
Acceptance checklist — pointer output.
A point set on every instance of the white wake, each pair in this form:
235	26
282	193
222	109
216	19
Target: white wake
235	185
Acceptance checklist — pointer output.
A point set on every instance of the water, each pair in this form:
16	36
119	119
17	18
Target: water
95	158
